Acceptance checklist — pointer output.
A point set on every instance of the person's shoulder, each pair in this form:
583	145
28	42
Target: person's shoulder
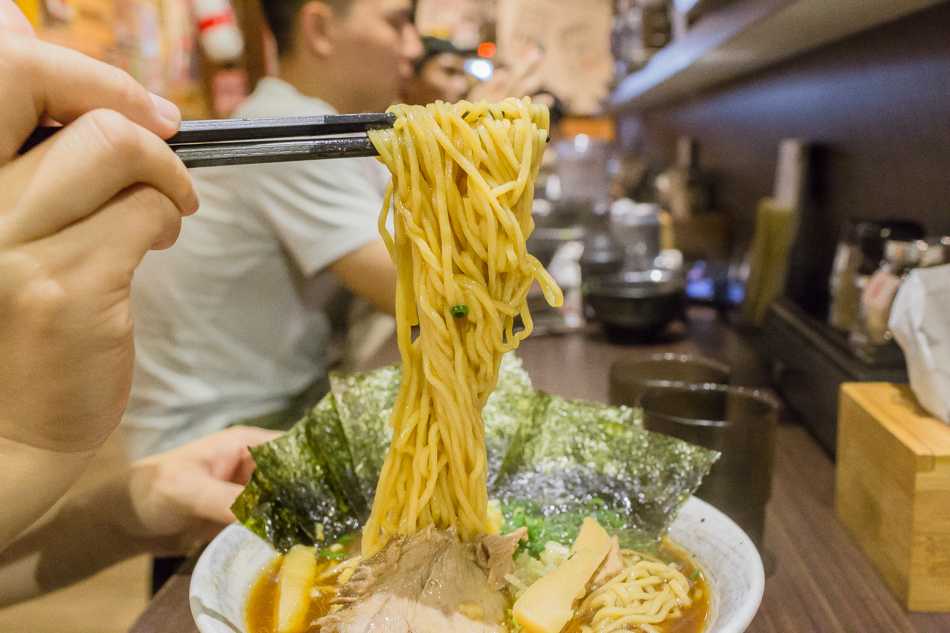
273	97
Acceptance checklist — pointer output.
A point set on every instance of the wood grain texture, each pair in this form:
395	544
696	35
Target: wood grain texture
893	482
818	579
875	478
170	611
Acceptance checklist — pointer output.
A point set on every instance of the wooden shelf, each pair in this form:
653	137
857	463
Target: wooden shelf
748	36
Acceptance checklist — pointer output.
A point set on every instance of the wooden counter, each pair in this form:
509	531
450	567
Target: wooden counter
818	581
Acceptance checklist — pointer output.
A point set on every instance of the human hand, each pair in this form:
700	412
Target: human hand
166	505
176	500
522	79
77	214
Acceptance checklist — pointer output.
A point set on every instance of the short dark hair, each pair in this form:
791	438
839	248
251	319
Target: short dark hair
281	16
432	46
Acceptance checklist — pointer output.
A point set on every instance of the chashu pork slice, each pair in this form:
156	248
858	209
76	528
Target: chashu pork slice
429	582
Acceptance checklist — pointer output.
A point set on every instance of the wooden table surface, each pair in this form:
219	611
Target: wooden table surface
818	581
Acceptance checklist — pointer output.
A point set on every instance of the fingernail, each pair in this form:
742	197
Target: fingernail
167	109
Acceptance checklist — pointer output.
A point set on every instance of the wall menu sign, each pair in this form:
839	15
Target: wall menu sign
575	37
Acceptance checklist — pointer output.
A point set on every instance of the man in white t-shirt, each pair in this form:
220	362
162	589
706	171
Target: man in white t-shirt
222	331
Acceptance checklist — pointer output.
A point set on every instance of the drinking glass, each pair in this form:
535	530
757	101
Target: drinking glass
741	424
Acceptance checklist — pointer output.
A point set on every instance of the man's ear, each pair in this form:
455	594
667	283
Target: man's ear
316	27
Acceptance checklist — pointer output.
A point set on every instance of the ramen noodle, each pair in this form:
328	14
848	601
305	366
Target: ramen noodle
646	593
461	190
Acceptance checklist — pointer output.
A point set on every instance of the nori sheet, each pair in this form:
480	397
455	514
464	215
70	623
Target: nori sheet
576	458
302	490
558	460
364	402
511	403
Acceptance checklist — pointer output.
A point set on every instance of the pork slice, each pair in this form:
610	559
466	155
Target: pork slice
370	570
458	584
434	586
612	565
495	554
410	557
395	614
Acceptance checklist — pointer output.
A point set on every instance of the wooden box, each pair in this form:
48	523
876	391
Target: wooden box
893	489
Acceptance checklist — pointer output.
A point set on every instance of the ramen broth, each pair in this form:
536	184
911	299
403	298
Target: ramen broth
261	614
262	603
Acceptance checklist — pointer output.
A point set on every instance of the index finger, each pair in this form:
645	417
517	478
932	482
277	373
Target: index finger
225	453
39	78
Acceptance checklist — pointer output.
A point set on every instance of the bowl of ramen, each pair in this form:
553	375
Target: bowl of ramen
233	586
446	494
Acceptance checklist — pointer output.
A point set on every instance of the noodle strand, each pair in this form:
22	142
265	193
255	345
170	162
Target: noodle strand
461	190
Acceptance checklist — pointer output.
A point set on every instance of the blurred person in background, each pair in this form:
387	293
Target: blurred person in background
439	74
233	326
523	77
519	78
77	214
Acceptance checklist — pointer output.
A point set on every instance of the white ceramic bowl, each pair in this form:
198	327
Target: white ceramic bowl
229	567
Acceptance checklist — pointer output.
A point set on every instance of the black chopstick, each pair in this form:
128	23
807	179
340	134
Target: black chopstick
215	154
218	130
246	141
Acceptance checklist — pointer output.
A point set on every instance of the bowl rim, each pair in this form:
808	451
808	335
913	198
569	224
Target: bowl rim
634	362
697	515
701	512
760	395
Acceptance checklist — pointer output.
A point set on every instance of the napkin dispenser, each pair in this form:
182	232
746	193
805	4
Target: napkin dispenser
892	490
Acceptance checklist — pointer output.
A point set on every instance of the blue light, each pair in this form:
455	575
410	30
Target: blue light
481	69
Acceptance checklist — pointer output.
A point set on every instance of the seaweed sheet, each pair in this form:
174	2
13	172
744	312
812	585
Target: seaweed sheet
302	488
558	460
576	458
509	405
365	402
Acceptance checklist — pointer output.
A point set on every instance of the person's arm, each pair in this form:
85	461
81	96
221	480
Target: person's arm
77	214
369	271
167	504
326	216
